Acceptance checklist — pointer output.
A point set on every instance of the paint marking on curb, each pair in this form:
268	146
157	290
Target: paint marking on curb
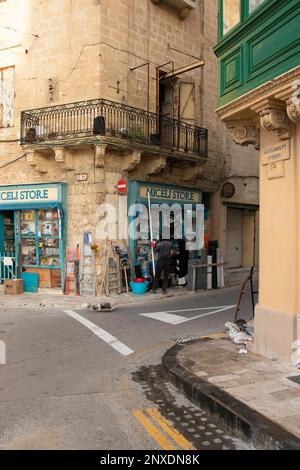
154	432
169	429
102	334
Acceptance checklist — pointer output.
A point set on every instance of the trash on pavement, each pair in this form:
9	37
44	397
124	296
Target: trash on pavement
184	340
101	307
243	351
236	335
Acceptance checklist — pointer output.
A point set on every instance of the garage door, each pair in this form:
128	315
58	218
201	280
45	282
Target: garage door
234	244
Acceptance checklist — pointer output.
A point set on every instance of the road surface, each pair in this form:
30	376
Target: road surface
87	380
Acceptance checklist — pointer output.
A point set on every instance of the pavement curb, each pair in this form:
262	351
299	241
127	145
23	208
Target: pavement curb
238	418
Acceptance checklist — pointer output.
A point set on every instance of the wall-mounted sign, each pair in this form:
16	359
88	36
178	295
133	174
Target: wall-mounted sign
7	261
28	195
176	195
82	177
122	187
276	153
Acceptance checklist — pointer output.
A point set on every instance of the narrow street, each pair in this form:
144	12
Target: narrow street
87	380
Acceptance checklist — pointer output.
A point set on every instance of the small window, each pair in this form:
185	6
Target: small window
7	93
231	14
253	4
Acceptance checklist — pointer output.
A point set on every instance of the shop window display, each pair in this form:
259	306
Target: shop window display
49	252
27	223
40	238
28	252
9	235
48	223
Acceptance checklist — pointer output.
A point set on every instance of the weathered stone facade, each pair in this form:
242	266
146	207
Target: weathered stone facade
69	51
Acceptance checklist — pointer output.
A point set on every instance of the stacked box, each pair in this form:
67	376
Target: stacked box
13	287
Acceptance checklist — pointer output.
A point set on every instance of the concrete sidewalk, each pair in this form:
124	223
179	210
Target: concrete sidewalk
256	398
55	299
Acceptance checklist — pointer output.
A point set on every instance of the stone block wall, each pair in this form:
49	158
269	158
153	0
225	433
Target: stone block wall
87	50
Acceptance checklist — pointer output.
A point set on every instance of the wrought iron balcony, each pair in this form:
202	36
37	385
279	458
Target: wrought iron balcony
102	118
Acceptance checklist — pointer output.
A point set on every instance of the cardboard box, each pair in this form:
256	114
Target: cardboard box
13	287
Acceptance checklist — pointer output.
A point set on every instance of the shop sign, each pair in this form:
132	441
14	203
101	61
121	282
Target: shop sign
7	261
276	153
28	195
169	194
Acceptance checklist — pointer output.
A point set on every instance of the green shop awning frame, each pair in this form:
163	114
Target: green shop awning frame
36	197
159	194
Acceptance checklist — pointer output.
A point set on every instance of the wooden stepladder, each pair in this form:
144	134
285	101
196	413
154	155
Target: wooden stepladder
110	279
88	274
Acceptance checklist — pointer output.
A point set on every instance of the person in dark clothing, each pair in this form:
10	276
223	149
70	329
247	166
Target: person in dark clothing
163	264
183	259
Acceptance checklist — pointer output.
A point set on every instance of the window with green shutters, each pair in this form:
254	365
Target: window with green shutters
253	4
235	12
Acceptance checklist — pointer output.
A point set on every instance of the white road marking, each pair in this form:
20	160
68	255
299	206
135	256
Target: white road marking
168	317
102	334
165	317
211	313
200	308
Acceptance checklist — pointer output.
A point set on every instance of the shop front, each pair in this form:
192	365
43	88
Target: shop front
176	206
33	231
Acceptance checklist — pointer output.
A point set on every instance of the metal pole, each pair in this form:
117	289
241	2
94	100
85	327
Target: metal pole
151	232
138	67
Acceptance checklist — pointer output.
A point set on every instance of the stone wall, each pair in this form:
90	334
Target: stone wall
87	52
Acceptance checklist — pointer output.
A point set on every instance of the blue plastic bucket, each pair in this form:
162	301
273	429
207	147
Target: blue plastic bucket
139	287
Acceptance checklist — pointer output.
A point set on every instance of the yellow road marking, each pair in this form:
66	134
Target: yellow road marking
161	440
168	428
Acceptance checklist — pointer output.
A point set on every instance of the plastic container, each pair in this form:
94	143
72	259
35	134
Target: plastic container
139	279
145	269
139	288
30	281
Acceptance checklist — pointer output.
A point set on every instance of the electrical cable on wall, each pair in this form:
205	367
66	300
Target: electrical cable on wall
13	161
18	31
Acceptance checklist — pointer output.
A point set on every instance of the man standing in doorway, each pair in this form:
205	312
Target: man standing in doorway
164	249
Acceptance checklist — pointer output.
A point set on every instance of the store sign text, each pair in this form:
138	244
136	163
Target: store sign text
170	194
28	195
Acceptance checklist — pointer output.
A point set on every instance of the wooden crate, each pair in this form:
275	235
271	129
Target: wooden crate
55	278
44	276
13	287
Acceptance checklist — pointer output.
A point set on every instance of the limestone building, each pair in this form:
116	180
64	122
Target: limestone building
97	91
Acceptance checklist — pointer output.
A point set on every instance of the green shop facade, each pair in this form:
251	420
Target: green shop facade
33	232
168	195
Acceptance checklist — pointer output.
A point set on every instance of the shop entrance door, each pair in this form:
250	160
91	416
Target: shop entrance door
234	248
7	234
7	246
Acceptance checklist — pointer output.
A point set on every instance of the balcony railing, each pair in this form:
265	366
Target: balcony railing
110	119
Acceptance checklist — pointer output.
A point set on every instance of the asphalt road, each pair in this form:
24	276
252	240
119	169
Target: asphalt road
88	380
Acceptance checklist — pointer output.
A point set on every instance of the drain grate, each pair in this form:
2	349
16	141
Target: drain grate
295	379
